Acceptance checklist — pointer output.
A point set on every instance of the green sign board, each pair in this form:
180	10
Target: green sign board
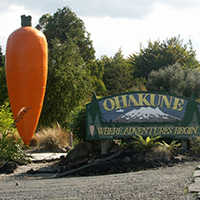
144	113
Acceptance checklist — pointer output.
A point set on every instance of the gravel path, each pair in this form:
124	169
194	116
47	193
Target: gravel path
163	183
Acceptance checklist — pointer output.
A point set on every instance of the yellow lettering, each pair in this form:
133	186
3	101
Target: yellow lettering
112	104
170	130
109	131
179	130
178	104
155	130
101	131
142	100
126	131
152	100
167	102
123	100
139	131
129	131
132	100
118	131
147	130
195	129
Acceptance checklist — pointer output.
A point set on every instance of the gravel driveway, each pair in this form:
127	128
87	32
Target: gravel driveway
163	183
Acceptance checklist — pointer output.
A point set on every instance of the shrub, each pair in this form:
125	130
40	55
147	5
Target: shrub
145	145
78	123
11	150
6	117
11	145
174	79
195	145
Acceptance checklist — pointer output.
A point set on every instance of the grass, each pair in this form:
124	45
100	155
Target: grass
53	139
160	152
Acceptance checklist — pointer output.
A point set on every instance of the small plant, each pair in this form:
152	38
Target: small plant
123	144
172	146
11	149
145	145
11	144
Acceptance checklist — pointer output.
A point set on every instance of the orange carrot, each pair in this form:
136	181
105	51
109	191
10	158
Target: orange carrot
26	75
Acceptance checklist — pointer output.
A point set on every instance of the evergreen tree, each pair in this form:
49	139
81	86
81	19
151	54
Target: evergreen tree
117	74
96	69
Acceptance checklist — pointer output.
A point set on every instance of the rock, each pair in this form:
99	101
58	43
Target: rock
31	171
114	148
127	160
106	145
8	167
80	151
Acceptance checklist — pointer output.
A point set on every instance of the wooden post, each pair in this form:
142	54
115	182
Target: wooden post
105	146
184	145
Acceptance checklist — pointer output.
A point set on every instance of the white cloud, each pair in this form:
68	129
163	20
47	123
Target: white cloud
114	23
109	34
11	21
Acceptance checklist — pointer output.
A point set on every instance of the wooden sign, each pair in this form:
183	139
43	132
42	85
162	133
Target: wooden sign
144	113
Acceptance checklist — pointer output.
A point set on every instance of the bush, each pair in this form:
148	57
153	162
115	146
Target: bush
11	145
78	123
11	150
175	80
195	145
6	117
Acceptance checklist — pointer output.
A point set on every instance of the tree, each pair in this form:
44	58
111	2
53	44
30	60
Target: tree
70	54
96	69
3	88
2	59
68	83
160	54
174	79
65	25
117	73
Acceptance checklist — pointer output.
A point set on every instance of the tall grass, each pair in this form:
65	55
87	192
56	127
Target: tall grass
53	139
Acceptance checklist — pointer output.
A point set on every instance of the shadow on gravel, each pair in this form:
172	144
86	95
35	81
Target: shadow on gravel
112	163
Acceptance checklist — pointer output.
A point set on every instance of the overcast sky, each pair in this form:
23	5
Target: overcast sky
114	24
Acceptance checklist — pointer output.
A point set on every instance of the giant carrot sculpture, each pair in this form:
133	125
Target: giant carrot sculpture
26	75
